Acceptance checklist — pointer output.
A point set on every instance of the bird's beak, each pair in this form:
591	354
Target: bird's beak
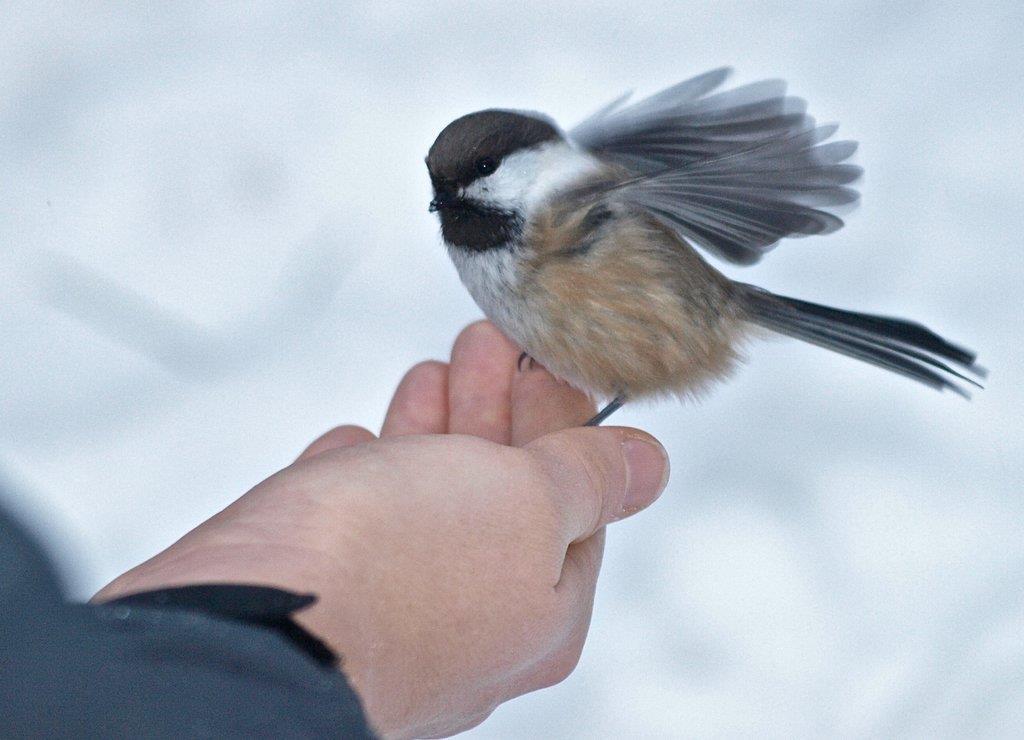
445	196
442	199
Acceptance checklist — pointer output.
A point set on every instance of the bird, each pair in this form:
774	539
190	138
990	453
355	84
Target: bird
584	246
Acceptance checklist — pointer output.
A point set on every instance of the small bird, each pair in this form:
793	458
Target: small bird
579	246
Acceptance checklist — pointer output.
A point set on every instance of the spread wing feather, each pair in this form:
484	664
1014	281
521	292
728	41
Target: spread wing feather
733	171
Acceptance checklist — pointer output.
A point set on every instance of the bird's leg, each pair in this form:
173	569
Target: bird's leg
614	405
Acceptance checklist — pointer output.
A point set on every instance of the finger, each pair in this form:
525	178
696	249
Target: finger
480	383
598	475
420	404
343	436
542	404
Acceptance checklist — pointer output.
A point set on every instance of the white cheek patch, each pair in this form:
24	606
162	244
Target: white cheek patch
508	184
525	179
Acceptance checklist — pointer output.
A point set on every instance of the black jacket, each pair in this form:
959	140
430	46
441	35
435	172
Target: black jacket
206	661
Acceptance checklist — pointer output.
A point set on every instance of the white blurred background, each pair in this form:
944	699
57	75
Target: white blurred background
214	245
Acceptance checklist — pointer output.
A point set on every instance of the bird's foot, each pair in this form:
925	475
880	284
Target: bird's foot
530	362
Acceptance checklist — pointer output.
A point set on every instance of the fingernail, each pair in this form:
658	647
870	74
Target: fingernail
647	471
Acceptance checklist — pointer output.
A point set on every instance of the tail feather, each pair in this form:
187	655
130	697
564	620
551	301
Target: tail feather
900	346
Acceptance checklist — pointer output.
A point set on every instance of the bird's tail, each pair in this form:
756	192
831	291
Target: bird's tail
898	345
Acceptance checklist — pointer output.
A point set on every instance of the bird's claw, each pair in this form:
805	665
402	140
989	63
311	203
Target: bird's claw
530	364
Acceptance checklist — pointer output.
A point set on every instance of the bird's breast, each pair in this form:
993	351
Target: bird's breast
627	315
494	280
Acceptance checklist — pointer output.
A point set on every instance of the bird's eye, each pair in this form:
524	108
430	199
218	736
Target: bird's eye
486	165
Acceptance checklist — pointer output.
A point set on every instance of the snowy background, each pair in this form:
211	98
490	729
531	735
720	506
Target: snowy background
214	245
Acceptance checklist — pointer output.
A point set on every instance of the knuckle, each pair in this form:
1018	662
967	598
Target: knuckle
426	367
337	432
422	375
351	430
571	469
596	472
596	480
338	437
477	330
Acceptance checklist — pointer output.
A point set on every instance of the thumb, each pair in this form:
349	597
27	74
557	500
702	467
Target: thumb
600	474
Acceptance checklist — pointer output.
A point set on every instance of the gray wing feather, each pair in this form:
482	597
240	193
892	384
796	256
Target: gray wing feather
734	171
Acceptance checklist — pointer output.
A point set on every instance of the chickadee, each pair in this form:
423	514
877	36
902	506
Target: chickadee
578	245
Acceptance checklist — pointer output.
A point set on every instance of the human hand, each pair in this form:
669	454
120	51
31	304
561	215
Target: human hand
455	558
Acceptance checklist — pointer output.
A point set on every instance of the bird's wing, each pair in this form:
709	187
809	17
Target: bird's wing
733	171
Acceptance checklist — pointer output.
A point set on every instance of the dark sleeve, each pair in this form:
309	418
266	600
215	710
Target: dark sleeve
206	661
